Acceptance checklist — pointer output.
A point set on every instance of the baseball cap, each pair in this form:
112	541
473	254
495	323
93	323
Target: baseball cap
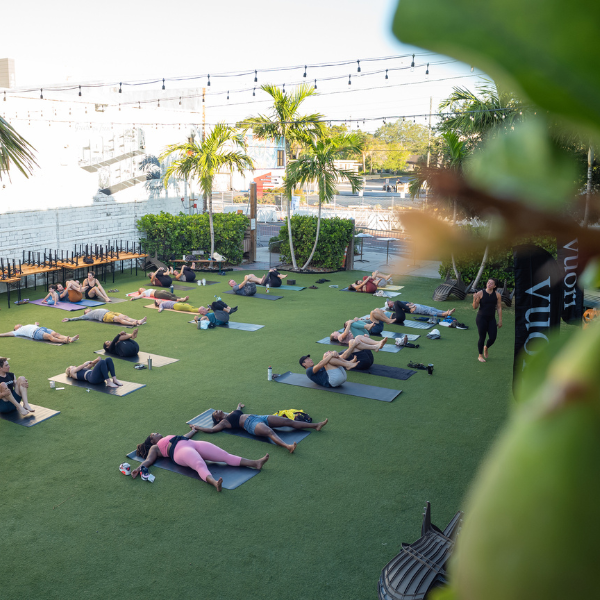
304	358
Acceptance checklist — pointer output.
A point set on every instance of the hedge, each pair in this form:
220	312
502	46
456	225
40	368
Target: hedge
334	237
500	259
179	234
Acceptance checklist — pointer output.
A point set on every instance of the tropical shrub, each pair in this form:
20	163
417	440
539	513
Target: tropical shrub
335	236
179	234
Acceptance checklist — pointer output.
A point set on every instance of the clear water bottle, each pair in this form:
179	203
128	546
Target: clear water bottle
270	374
171	288
267	286
150	363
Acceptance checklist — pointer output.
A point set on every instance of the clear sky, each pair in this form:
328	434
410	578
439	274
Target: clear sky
117	40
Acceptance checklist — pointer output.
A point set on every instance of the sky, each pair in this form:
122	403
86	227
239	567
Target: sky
114	41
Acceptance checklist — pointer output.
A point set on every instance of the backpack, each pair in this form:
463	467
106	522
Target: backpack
294	414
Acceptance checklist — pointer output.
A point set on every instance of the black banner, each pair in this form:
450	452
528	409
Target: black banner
538	301
572	300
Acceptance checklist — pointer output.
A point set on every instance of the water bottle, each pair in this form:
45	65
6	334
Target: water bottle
270	374
267	286
171	288
203	281
150	363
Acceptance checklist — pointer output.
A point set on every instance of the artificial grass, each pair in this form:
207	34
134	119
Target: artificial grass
320	523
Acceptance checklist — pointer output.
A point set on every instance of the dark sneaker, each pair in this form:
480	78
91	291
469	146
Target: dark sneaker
461	326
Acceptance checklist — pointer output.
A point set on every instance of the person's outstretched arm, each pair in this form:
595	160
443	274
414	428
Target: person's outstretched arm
88	364
150	459
346	331
81	318
214	429
241	285
8	334
320	365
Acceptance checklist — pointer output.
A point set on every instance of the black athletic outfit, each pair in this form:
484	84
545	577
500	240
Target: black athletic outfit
218	308
365	360
188	274
233	419
100	372
164	280
272	279
486	320
125	348
399	311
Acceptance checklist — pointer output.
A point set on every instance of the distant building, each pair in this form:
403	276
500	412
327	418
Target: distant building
8	78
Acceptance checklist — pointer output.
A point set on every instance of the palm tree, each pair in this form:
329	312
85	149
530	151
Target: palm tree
317	163
16	150
285	123
204	160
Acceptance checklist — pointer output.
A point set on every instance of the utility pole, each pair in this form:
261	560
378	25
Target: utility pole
428	145
203	114
253	211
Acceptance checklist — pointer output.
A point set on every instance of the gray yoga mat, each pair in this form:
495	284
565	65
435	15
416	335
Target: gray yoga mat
349	389
392	372
287	434
40	414
407	323
142	357
295	288
387	348
123	390
259	296
232	476
397	335
40	341
116	300
103	323
234	325
177	286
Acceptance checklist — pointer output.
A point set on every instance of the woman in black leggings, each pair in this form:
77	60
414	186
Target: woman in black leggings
160	278
102	367
488	301
186	273
124	345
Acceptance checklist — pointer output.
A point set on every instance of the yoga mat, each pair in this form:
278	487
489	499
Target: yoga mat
259	296
40	414
90	303
288	434
387	348
407	323
393	372
177	286
181	312
232	476
103	323
348	388
393	334
123	390
142	357
41	342
116	300
393	288
387	294
234	325
70	306
295	288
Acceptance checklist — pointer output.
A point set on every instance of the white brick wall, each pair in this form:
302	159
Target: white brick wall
62	228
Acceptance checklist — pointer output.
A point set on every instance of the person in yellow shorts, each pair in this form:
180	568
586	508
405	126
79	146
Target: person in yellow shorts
107	316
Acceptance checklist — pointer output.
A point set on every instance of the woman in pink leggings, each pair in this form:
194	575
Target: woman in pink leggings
190	453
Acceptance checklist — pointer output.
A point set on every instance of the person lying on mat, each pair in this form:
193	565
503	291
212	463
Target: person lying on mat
123	345
363	354
247	287
172	305
363	340
162	294
72	291
329	372
36	332
51	297
363	326
191	453
160	278
13	391
102	315
186	274
370	283
260	425
418	309
220	314
97	371
92	289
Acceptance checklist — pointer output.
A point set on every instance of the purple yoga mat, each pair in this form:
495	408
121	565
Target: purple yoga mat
62	305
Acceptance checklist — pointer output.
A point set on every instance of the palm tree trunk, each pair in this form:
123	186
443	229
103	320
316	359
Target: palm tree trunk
317	236
289	209
483	261
210	221
454	266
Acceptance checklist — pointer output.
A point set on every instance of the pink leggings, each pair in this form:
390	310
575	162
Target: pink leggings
192	453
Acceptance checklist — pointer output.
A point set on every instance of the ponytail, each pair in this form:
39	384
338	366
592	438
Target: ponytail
144	448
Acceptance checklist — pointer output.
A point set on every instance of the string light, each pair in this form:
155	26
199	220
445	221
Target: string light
208	84
472	69
315	84
255	77
158	106
163	87
386	74
119	109
179	100
284	89
304	71
4	96
412	64
120	86
41	94
227	94
427	72
80	90
358	70
349	80
254	91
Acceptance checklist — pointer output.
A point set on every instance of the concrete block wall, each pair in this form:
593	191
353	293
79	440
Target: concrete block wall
62	228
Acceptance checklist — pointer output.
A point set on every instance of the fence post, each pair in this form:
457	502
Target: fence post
253	211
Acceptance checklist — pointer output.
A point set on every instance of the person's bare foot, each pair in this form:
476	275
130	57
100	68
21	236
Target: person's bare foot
451	311
73	339
381	344
22	411
353	363
480	358
322	424
110	384
485	352
134	334
142	321
193	266
185	299
115	380
28	406
292	447
218	484
260	463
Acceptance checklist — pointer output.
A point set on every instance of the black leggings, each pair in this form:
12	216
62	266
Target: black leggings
127	348
272	279
218	305
101	370
188	274
486	326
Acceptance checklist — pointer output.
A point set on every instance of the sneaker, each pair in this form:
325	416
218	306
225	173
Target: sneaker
234	309
432	321
313	287
125	468
461	325
146	476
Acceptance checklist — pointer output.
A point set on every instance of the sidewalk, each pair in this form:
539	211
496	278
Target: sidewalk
397	265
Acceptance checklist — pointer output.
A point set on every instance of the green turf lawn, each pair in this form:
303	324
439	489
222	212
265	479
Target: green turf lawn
320	523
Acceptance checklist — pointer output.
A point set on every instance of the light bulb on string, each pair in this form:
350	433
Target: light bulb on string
384	120
80	90
139	105
472	69
427	72
358	70
120	86
349	80
202	98
412	64
208	84
284	89
163	87
4	96
158	106
386	74
304	71
254	91
255	77
41	94
179	100
227	94
315	84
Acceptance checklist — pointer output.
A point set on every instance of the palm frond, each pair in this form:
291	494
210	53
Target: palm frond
15	150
